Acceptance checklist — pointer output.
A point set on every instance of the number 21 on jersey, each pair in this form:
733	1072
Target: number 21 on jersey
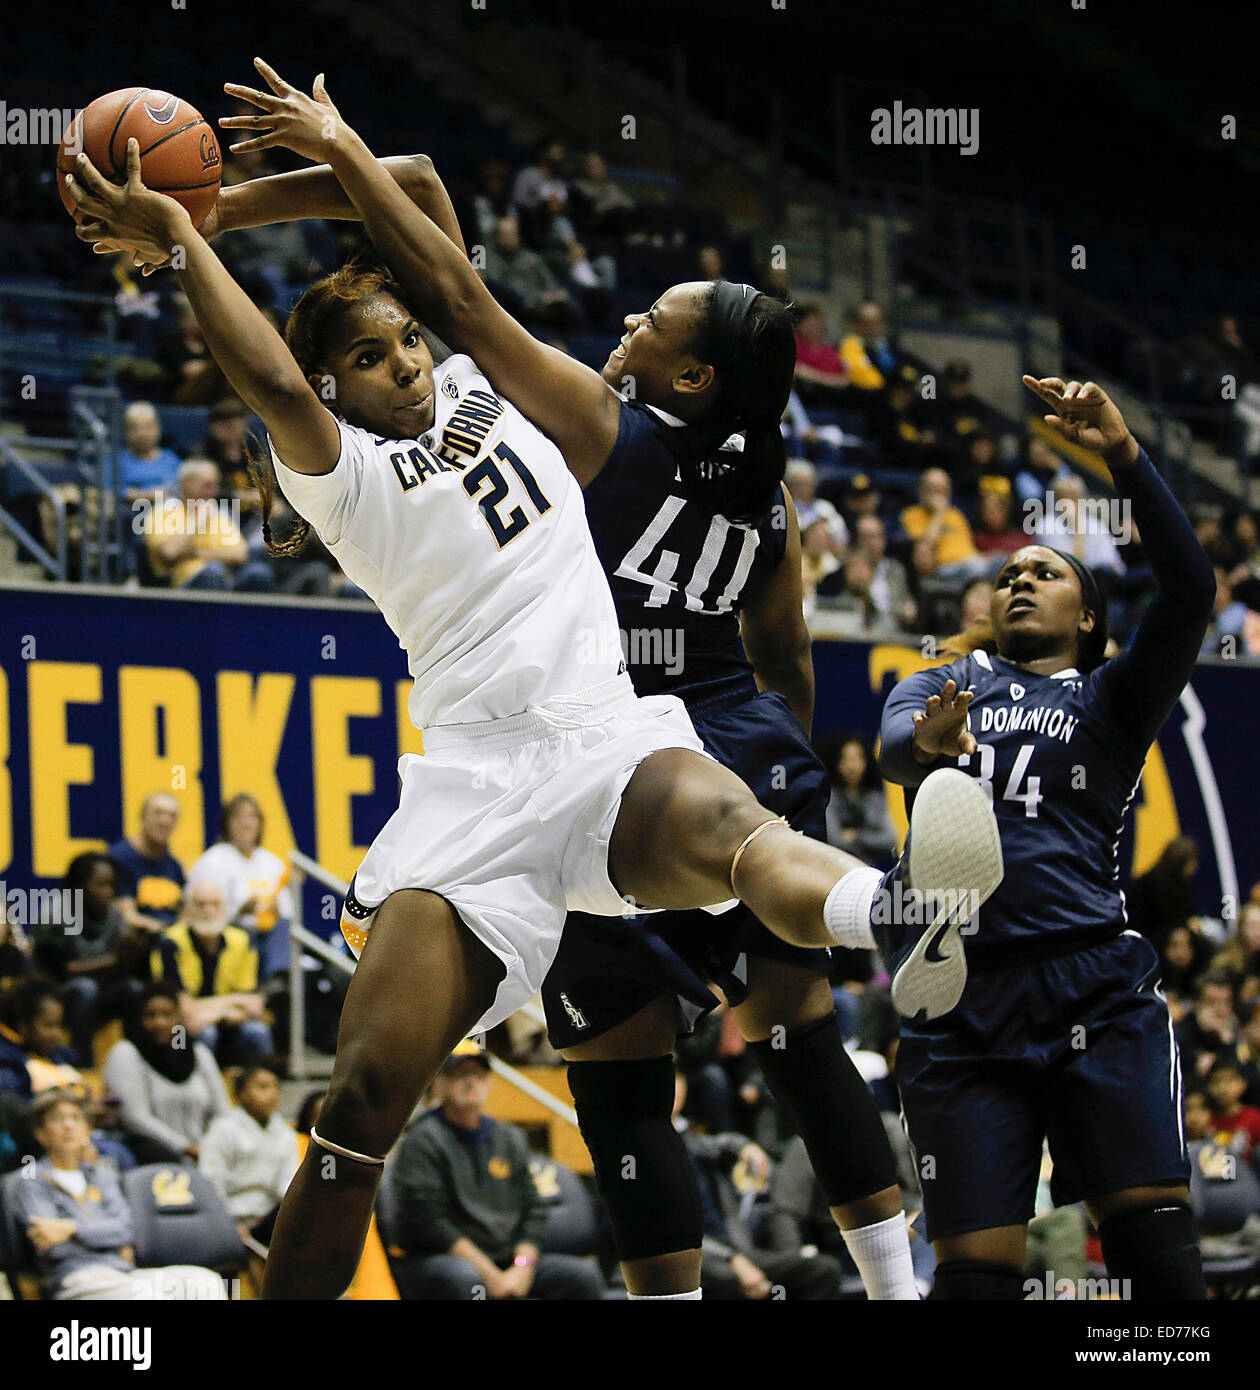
487	486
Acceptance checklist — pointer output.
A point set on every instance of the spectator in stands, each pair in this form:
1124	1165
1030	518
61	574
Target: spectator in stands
857	814
34	1055
143	464
1243	558
976	600
216	971
15	949
224	446
150	884
710	1084
1040	474
1227	632
1076	529
942	530
996	532
1239	958
1237	1125
976	463
92	954
866	350
851	608
195	542
491	199
527	279
267	259
1163	897
821	557
168	1084
79	1224
251	1154
193	375
467	1202
1249	1054
776	281
1209	1034
710	263
821	375
254	882
900	424
890	589
735	1266
1184	957
860	498
801	478
545	176
600	208
957	413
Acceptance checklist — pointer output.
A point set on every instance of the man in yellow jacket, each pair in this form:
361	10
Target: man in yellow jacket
216	971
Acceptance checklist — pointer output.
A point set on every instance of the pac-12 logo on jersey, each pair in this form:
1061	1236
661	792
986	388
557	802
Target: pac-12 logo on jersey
450	388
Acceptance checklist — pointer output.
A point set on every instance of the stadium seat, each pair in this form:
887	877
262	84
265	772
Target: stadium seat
184	427
180	1219
572	1224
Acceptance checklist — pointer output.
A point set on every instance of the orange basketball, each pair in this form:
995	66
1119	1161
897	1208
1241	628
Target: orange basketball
179	155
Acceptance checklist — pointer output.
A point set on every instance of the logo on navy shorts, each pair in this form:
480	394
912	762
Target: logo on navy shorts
576	1017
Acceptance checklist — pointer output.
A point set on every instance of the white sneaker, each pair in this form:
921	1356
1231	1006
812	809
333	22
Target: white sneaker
955	860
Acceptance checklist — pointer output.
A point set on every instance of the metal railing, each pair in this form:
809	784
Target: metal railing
301	941
54	564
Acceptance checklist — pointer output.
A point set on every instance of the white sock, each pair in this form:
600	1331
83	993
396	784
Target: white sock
847	911
661	1297
882	1255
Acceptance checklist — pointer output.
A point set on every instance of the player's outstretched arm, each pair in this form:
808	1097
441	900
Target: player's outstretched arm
258	366
566	400
314	193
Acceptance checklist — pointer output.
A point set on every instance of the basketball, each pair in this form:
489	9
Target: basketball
179	154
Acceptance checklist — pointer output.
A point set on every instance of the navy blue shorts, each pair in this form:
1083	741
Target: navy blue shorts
1077	1049
609	968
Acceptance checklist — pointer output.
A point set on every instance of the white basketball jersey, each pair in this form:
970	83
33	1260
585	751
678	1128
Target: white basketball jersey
473	543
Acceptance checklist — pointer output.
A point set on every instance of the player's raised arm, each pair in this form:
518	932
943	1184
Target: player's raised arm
1147	679
565	399
252	355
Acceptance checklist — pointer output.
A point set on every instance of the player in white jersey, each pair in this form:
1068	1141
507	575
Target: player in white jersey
553	787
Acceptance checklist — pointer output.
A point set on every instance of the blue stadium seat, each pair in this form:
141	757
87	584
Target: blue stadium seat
180	1219
184	427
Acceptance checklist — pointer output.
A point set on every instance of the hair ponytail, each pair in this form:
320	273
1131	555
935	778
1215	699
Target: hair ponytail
753	350
262	473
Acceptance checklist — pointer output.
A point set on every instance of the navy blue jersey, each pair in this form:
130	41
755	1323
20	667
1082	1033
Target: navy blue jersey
1061	755
679	574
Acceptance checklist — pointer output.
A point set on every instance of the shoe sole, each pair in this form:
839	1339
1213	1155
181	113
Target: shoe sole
956	851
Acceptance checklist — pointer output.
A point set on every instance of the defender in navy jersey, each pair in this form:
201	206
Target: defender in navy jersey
1059	1028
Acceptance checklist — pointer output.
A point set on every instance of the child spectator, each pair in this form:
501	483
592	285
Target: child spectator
34	1056
75	1216
251	1154
1239	958
215	969
169	1086
1237	1126
150	883
254	882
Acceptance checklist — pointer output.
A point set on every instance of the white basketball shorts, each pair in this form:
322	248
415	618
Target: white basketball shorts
509	821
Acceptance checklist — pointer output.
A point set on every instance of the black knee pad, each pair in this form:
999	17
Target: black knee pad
987	1280
1156	1248
645	1176
813	1078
